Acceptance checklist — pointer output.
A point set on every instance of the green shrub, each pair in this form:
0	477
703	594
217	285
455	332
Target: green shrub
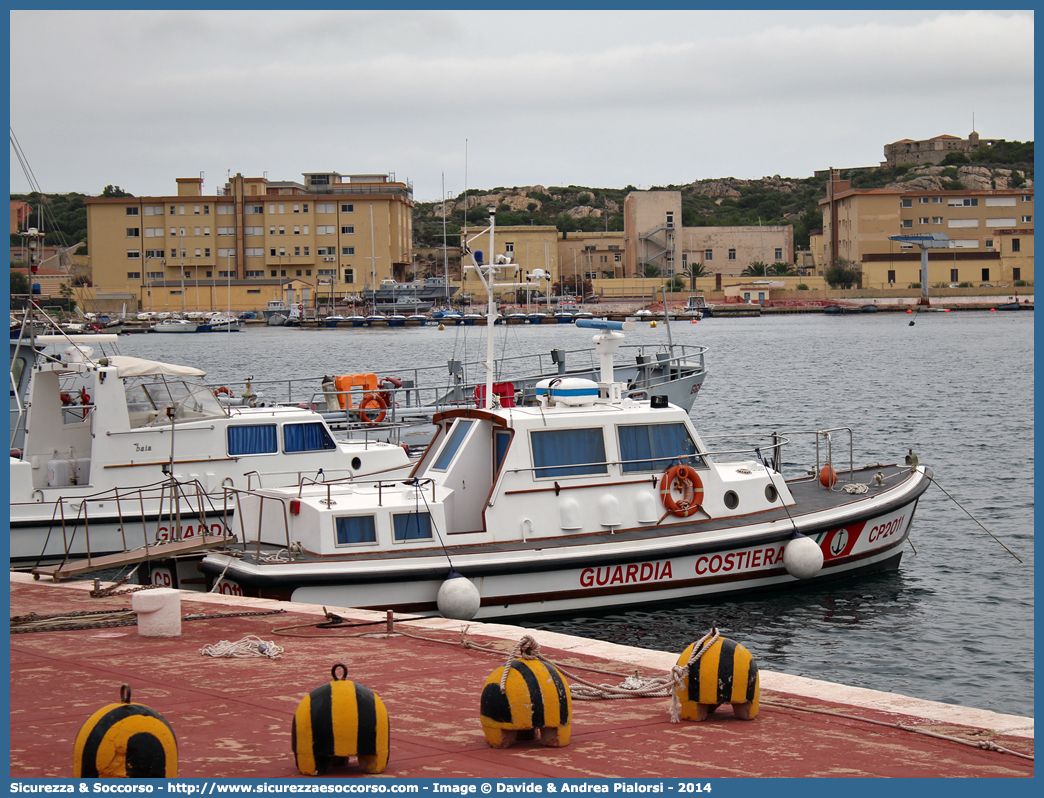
802	287
914	285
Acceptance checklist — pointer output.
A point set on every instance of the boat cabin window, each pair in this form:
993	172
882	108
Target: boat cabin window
17	369
310	437
501	439
412	526
252	439
656	447
189	402
452	444
356	529
568	452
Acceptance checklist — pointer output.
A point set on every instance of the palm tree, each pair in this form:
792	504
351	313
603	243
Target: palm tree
650	270
694	270
782	269
756	269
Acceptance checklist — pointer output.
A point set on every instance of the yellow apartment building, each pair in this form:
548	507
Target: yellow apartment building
253	241
990	234
592	256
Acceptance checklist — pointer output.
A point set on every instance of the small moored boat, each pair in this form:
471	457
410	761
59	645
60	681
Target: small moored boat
109	440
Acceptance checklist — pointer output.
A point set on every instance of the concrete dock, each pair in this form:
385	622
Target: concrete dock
232	716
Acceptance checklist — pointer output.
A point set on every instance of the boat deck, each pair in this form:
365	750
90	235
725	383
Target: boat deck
232	717
809	495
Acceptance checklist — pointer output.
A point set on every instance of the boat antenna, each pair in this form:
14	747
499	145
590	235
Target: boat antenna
445	253
485	269
667	319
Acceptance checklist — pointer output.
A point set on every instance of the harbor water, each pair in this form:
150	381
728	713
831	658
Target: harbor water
953	624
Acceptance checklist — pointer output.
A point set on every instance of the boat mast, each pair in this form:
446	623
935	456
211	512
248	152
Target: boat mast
485	270
445	253
667	319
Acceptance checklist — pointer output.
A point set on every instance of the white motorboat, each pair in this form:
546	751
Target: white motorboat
175	326
276	307
110	439
295	316
404	401
222	323
588	499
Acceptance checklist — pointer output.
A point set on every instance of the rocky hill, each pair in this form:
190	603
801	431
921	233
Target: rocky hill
715	202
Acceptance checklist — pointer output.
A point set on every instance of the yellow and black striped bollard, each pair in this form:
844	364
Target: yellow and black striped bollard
724	673
535	696
125	741
339	720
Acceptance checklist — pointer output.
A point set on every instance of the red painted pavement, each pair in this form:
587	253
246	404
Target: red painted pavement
232	717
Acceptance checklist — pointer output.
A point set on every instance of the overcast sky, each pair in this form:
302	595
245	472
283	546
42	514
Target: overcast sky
515	98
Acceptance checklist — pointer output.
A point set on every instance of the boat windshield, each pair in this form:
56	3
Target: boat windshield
149	401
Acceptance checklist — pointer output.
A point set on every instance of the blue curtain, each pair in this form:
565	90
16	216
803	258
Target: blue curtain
568	452
306	437
356	529
655	447
253	439
412	526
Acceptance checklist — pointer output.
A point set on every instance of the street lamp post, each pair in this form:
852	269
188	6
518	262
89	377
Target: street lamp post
572	257
182	269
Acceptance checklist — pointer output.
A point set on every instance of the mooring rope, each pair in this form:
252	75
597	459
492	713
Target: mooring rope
102	619
635	686
973	518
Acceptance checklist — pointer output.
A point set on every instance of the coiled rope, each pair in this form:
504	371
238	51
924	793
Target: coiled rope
249	646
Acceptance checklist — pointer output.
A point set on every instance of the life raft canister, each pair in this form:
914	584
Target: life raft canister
688	482
125	741
338	720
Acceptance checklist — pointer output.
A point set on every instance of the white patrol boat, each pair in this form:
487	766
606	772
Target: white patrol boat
589	499
120	453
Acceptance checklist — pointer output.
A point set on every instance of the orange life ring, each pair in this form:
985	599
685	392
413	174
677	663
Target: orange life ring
691	486
372	400
225	391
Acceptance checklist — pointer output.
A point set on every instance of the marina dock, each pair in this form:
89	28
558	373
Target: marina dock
232	716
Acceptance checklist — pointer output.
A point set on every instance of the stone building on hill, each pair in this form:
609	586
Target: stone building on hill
931	151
